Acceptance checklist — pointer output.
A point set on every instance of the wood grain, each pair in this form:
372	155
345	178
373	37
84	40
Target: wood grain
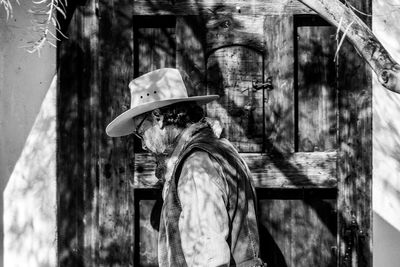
115	195
295	232
300	170
316	91
77	140
355	162
192	7
155	45
230	72
234	29
279	64
190	56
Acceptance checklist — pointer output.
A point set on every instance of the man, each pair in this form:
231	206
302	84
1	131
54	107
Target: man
208	215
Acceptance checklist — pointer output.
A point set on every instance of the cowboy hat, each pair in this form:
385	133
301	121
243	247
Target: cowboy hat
150	91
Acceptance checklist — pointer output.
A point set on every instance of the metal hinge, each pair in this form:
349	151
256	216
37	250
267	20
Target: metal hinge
353	235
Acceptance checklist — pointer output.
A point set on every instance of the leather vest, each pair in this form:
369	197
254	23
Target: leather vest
243	237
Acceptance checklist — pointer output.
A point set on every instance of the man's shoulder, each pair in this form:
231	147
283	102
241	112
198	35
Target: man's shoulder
198	158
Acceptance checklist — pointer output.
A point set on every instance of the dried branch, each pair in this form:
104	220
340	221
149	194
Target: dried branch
45	21
8	7
45	13
362	38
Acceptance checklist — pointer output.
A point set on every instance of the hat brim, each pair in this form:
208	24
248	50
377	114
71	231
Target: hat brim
124	125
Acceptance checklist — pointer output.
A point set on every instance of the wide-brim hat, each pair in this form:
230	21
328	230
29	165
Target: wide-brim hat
156	89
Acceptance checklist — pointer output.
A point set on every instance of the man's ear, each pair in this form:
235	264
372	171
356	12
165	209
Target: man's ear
158	118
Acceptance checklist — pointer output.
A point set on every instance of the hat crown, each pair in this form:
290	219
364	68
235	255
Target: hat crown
158	85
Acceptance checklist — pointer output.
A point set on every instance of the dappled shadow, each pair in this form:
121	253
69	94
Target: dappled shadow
103	167
30	194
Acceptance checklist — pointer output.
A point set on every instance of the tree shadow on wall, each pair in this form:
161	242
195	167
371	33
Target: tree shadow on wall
100	210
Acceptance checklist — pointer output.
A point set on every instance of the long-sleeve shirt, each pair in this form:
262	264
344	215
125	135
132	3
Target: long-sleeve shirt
204	222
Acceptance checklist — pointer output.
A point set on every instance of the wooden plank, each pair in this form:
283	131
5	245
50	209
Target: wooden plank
300	170
190	58
155	44
297	232
316	91
234	29
116	229
355	161
70	157
77	144
230	72
192	7
279	63
149	223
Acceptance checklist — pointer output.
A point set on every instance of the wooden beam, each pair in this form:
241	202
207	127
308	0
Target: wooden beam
194	7
355	160
299	170
115	234
362	38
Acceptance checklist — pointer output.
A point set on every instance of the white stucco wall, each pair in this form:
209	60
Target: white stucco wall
27	146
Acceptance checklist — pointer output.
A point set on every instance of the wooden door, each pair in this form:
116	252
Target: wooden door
295	175
307	141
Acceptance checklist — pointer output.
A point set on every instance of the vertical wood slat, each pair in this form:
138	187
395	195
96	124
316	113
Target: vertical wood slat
355	162
190	58
279	63
230	72
115	203
91	136
69	150
77	143
316	88
155	46
154	43
297	232
234	60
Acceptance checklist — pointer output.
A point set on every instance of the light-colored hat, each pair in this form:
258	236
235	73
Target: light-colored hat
150	91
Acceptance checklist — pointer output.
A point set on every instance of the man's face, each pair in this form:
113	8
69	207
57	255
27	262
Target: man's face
152	133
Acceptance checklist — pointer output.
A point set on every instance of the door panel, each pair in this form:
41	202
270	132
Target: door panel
230	72
279	64
297	230
227	43
316	91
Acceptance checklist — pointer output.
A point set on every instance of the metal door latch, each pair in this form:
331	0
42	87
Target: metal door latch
266	87
262	86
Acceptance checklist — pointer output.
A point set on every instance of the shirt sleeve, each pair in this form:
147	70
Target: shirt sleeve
204	222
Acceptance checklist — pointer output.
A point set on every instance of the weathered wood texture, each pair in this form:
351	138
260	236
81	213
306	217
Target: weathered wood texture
148	236
316	88
298	233
230	73
193	7
115	199
300	170
360	35
190	56
77	145
355	160
69	131
279	64
234	29
155	44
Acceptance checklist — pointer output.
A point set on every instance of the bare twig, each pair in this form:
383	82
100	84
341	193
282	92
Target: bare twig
46	16
45	21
